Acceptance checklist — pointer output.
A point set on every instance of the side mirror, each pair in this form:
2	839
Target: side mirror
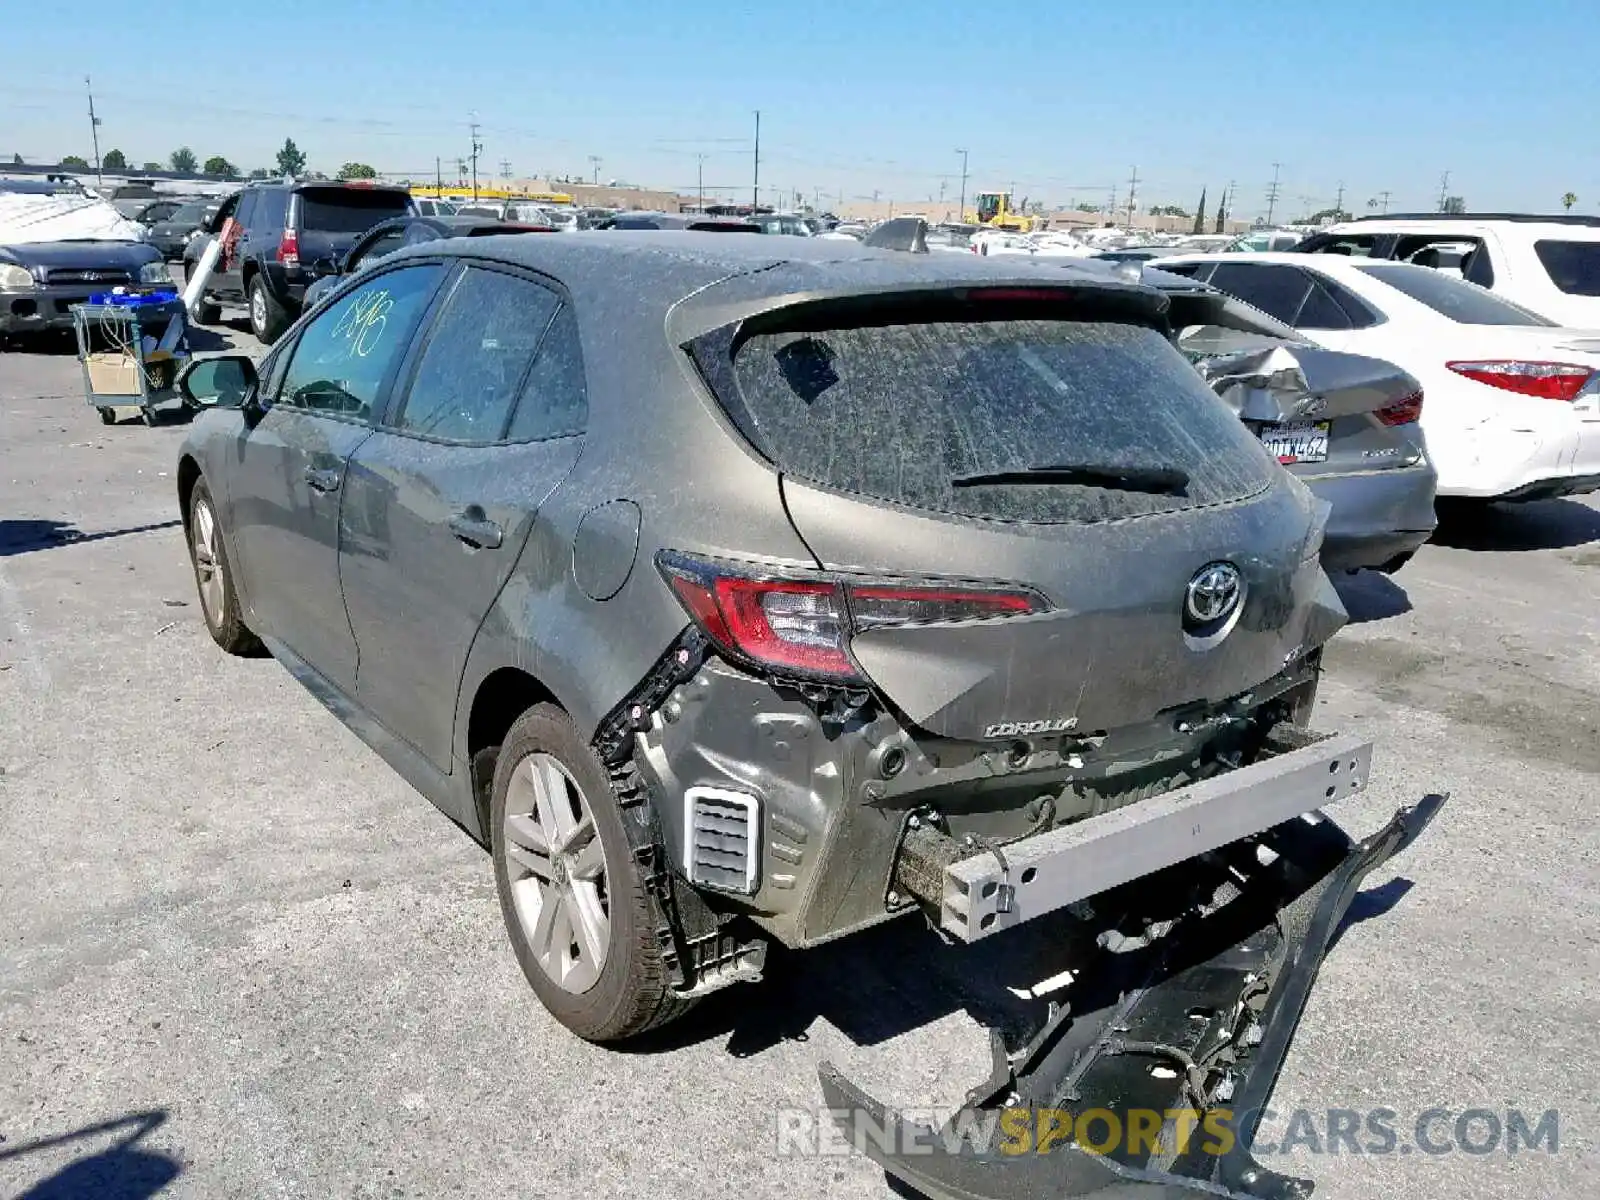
225	381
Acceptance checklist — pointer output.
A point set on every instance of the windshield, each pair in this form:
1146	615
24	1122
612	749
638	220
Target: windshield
903	412
1574	267
349	210
988	206
192	214
1464	303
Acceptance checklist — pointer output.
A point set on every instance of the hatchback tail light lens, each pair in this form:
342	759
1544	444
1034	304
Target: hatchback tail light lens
802	623
289	248
1402	412
1544	380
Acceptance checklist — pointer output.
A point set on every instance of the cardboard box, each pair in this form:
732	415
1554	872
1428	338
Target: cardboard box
112	373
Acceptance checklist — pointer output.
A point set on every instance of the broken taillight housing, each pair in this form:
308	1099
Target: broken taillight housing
1544	380
1403	411
801	623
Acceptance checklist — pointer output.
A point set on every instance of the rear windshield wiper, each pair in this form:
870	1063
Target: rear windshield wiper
1160	480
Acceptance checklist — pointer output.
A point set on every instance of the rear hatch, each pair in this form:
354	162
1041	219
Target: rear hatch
1068	450
331	219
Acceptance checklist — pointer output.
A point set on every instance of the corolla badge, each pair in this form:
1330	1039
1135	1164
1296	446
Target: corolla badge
1019	728
1213	593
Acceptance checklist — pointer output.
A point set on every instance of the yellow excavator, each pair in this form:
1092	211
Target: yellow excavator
995	211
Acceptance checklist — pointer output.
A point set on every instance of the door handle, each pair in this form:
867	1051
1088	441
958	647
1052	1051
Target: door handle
323	479
472	526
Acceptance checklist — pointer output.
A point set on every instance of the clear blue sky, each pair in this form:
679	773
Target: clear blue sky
1061	99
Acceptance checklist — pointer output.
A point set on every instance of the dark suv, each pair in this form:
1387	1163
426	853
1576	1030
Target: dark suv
280	232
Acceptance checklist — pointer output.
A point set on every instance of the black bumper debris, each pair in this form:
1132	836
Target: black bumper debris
1184	1027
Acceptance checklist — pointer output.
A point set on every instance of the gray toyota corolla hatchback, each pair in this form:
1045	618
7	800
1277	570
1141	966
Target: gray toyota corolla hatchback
736	590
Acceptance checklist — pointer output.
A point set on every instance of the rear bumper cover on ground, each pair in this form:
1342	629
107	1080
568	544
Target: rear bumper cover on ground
1216	999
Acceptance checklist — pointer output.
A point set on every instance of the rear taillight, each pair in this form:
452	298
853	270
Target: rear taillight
801	623
289	248
1545	380
1402	411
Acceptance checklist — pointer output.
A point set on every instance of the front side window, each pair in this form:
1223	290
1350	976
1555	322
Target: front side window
345	354
477	357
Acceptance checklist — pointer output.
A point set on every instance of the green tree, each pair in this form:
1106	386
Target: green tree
260	173
1568	200
16	160
220	167
355	170
1222	212
74	160
1167	210
291	161
183	161
154	166
114	160
1085	206
1327	214
1453	204
1200	214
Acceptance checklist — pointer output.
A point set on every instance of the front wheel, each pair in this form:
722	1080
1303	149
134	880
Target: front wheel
268	318
573	901
213	576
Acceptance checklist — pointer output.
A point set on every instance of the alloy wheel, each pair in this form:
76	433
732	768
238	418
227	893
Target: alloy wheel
556	866
206	540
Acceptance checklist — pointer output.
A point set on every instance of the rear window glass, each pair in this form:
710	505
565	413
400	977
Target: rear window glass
348	210
903	412
1454	298
1574	267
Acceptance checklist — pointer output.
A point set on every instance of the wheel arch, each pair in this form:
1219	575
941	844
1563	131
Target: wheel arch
188	475
502	696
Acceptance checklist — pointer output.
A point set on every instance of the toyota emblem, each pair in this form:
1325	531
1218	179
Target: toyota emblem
1212	594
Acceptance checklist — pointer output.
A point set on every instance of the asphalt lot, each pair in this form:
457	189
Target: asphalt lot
240	957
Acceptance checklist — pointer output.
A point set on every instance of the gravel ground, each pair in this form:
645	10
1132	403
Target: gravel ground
240	957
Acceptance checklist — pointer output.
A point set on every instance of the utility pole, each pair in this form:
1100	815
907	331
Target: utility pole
1272	193
1444	189
963	217
755	181
1133	198
438	176
477	149
1385	198
94	133
1338	204
700	179
594	161
505	169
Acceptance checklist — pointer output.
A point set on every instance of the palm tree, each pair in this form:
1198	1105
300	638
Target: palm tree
1568	200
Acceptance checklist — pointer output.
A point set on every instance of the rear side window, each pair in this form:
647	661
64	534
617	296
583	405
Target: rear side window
478	354
349	210
554	401
904	413
1276	291
1454	298
1574	267
1353	245
272	210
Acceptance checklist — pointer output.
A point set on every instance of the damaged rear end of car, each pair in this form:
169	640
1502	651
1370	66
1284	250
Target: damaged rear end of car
1052	651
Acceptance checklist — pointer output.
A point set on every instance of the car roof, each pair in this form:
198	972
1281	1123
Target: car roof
698	281
1568	225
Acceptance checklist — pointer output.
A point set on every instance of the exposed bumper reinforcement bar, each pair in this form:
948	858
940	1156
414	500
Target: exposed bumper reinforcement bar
1214	1001
992	890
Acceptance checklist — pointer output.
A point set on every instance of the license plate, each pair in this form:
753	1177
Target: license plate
1297	441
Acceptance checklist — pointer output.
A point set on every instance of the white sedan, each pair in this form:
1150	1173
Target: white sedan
1512	401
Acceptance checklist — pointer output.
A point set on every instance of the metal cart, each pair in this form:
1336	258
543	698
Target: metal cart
131	349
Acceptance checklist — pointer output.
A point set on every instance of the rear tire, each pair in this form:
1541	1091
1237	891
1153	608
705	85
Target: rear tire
207	312
214	578
268	318
568	882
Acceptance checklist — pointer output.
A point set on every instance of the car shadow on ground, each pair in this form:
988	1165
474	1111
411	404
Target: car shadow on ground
1371	596
1536	525
52	343
29	536
122	1171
